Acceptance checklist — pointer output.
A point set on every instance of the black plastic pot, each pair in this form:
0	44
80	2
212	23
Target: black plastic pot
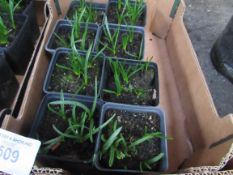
114	4
56	56
94	6
67	26
163	163
18	52
138	30
54	161
30	11
108	73
8	83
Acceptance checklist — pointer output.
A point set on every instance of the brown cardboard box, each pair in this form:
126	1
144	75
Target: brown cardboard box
201	138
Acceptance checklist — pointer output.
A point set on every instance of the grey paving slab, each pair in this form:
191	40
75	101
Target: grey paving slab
205	20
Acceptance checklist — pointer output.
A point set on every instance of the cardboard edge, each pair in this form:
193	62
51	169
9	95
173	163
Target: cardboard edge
10	122
207	112
18	98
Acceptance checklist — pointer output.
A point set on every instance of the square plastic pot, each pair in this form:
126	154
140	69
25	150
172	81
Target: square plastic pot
152	66
163	164
123	28
54	161
95	6
67	25
144	14
52	65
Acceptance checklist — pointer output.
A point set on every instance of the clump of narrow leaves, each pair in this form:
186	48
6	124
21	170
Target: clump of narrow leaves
117	147
122	74
81	125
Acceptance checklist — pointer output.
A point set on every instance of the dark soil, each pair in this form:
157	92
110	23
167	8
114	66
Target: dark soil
134	125
99	14
65	32
113	12
133	47
13	33
141	80
68	82
69	149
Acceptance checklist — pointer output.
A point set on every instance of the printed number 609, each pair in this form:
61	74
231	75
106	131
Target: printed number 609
8	154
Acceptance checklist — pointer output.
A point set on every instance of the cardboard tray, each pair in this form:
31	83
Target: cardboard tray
201	138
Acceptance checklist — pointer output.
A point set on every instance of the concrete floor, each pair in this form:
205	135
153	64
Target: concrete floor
205	20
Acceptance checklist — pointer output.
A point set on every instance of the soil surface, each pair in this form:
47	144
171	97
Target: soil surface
65	32
133	47
134	125
68	82
113	13
13	32
68	149
142	80
99	14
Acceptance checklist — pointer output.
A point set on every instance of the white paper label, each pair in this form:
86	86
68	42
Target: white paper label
17	153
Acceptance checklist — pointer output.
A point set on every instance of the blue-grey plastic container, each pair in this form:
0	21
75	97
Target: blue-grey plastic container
52	67
54	161
163	166
95	6
144	14
68	26
138	30
152	65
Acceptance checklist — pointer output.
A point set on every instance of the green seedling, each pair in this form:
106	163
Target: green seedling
148	163
81	125
122	74
9	7
121	12
76	35
134	11
116	147
3	33
128	12
89	13
125	42
79	65
127	39
112	38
